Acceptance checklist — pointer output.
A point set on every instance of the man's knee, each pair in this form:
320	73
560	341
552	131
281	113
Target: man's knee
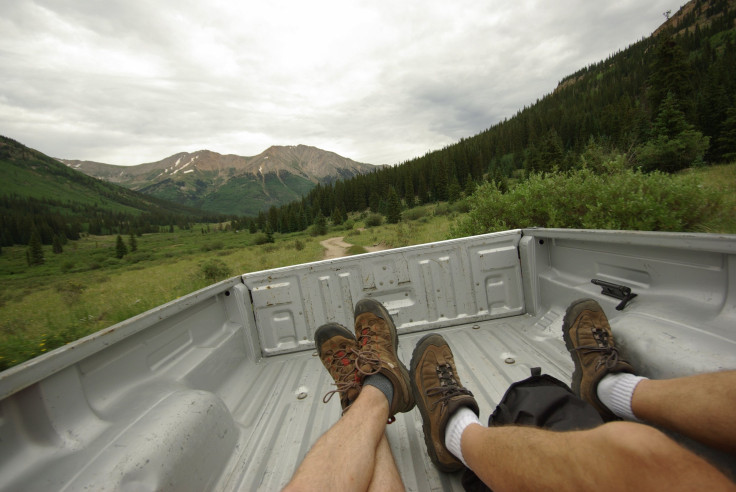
639	440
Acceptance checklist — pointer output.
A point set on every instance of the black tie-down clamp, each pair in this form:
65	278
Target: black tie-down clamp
617	291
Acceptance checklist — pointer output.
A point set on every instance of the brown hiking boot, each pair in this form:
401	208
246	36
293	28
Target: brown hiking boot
337	350
589	339
439	394
377	344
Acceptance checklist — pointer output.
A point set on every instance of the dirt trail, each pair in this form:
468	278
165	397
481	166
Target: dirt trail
336	247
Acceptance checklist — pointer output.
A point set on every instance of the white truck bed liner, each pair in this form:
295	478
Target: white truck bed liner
286	427
220	390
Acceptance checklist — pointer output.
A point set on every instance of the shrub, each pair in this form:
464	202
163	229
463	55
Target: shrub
584	199
374	220
356	250
260	238
414	213
139	256
212	246
442	209
460	207
298	245
672	154
214	270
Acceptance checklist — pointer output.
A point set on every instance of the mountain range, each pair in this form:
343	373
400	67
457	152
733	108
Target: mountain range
230	184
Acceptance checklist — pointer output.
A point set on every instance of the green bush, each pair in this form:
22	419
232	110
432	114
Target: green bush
672	154
261	238
584	199
414	213
442	209
215	270
460	207
374	220
356	250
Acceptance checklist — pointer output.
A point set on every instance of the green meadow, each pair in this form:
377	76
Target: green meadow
87	287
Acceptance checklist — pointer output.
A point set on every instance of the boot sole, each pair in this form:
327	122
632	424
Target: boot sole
377	309
422	345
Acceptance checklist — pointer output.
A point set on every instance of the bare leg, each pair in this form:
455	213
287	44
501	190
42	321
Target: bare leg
385	475
614	456
349	450
700	407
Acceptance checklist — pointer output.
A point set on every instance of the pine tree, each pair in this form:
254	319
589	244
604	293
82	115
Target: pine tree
727	139
671	72
670	121
320	224
120	248
336	216
423	193
56	245
454	192
374	202
675	144
551	152
393	207
34	253
269	234
469	186
132	243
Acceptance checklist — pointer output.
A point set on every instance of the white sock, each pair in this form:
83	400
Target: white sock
615	392
454	430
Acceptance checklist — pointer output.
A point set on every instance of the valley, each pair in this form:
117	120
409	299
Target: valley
87	287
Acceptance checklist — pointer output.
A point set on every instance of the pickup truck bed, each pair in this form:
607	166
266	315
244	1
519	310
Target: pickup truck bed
222	389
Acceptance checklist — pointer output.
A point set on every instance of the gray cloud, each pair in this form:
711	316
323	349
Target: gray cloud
127	82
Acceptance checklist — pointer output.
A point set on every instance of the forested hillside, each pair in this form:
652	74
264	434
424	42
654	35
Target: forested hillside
38	193
665	103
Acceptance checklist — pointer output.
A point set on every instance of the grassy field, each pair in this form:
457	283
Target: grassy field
86	288
723	179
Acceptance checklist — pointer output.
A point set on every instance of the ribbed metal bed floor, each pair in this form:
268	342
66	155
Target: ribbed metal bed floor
284	414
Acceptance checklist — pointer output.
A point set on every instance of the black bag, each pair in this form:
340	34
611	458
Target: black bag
538	401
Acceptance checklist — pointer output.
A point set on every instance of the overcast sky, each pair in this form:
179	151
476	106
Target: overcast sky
134	81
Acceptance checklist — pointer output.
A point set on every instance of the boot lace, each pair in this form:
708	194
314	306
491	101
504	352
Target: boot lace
448	388
609	355
344	373
366	356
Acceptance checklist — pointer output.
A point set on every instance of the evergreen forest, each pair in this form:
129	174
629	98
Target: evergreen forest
665	103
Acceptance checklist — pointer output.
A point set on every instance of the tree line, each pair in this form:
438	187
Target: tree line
666	102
